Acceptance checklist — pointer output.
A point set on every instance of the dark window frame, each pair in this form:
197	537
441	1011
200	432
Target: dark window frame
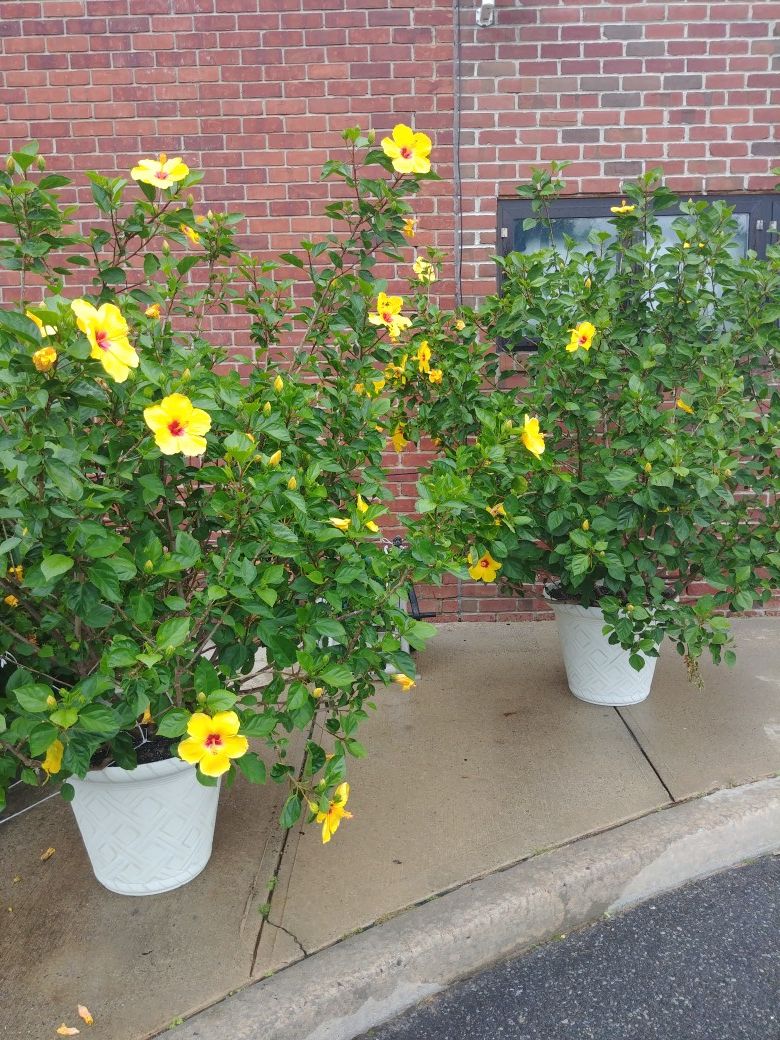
762	208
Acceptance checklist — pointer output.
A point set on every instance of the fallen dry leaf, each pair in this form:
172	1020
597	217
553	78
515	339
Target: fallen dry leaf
84	1013
44	856
17	879
67	1030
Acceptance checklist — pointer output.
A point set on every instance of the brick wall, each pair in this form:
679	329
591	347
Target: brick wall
254	93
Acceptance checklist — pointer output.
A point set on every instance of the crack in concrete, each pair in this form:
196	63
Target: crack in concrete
294	938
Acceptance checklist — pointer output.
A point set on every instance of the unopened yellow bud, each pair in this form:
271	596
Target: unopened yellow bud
40	162
292	484
371	135
190	201
506	426
166	248
275	459
186	374
586	525
317	691
278	384
201	697
648	467
148	566
267	408
51	701
10	165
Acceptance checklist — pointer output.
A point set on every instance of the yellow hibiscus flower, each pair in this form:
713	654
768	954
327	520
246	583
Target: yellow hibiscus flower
106	330
153	310
684	406
212	742
423	357
581	337
435	375
397	372
52	763
342	523
191	234
410	227
398	440
11	601
497	511
363	508
161	172
485	569
178	426
624	207
44	359
331	819
531	436
409	151
424	270
45	330
404	681
388	314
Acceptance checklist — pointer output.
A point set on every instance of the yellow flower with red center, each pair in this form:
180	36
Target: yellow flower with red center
424	270
362	507
684	406
531	436
435	375
52	763
485	569
45	330
398	440
44	359
624	207
106	330
497	511
388	314
340	522
410	227
581	337
409	151
212	742
191	234
153	310
178	426
161	172
423	357
404	681
336	812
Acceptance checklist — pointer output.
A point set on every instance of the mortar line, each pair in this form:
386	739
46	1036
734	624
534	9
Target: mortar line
277	869
646	757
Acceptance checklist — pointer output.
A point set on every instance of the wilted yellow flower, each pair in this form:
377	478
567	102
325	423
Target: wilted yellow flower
684	406
424	270
212	742
161	172
497	511
153	310
648	467
342	523
106	330
64	1030
178	426
11	601
409	151
359	389
586	524
423	357
435	375
581	337
388	314
52	763
336	812
410	227
531	436
398	439
363	508
85	1014
45	330
686	245
485	569
44	359
191	234
16	572
624	207
397	372
404	681
317	692
379	385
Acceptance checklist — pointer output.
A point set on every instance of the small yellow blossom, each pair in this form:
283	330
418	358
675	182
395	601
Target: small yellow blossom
423	357
106	330
497	511
397	373
648	467
153	310
686	245
267	408
684	406
581	337
398	440
359	389
388	314
342	523
588	283
404	681
45	330
191	234
212	742
624	207
435	375
44	359
363	508
11	601
460	325
586	524
275	459
52	763
424	269
146	718
161	172
531	436
292	484
317	692
16	572
278	387
178	426
51	701
336	812
485	569
379	385
408	150
410	227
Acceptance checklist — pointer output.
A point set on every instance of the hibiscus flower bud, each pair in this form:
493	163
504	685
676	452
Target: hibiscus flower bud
278	384
292	484
267	408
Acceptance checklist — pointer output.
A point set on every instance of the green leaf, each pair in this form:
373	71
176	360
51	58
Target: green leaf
55	565
253	767
291	811
33	696
19	327
41	738
173	723
355	748
173	633
220	700
66	479
337	675
257	725
97	718
68	792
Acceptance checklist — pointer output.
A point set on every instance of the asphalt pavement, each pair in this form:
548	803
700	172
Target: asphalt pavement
702	963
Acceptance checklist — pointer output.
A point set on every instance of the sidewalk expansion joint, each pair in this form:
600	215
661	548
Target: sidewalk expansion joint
646	757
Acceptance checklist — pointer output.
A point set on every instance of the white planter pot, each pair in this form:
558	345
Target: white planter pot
598	672
146	830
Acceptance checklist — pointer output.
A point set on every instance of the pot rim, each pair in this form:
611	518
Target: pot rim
166	769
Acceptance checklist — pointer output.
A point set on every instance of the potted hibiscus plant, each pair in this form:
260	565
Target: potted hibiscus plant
191	563
649	393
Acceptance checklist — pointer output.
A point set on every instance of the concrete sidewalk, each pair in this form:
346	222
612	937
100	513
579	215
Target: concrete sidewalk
487	762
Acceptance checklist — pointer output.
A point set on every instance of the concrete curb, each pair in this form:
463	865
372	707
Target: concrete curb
365	980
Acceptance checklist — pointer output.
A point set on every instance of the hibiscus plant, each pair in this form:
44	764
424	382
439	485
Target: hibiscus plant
190	544
648	401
